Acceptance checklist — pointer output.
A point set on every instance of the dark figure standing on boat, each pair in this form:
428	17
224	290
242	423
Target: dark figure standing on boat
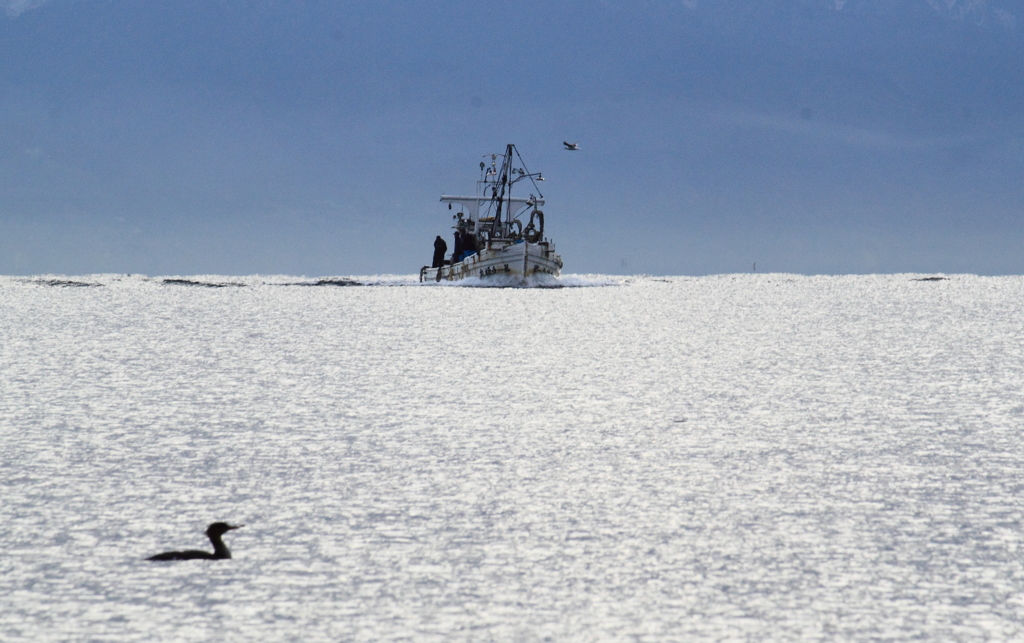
457	253
440	247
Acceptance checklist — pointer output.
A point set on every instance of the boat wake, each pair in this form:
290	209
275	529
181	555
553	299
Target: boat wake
532	281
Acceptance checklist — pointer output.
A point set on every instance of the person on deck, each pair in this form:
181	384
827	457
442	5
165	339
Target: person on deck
440	247
457	253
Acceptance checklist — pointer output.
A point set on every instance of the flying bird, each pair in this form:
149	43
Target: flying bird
213	532
572	147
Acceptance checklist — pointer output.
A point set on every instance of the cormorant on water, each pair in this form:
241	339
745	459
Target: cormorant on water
213	532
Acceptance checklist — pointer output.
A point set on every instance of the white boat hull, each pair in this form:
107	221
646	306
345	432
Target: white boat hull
516	260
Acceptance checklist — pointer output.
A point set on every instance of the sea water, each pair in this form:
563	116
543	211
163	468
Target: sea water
752	457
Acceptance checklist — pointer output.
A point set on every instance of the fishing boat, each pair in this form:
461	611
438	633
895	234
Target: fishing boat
491	240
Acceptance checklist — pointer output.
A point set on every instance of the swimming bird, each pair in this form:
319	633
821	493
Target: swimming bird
572	147
213	532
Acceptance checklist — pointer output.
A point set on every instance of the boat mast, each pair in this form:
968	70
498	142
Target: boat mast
506	171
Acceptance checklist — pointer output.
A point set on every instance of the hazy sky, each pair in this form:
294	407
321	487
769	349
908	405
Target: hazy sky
316	137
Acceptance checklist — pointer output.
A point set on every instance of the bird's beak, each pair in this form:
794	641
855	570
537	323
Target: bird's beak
235	526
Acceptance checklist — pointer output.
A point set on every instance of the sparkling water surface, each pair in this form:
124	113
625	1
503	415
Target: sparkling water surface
746	457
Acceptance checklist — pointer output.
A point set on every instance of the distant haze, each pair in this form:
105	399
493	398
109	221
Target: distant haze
314	137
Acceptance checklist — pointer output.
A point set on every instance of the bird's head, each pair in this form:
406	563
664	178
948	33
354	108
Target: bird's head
220	528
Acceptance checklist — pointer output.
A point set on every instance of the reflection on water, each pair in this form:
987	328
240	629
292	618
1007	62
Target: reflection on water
742	456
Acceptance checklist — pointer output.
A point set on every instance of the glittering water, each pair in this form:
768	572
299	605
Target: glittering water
743	457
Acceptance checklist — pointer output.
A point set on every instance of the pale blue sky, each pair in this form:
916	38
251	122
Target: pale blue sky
313	137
